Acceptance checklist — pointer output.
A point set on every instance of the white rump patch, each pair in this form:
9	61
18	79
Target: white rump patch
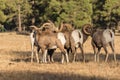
109	35
78	37
61	37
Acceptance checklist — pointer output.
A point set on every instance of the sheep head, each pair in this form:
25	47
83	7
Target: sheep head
65	27
49	25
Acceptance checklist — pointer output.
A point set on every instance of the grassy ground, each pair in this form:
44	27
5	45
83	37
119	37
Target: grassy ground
15	62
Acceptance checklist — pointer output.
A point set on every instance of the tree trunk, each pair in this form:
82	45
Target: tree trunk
19	19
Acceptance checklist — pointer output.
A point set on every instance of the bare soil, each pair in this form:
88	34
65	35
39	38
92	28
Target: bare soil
15	52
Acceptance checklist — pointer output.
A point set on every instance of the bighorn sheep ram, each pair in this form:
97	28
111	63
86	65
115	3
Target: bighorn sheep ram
101	38
64	28
74	38
78	38
49	40
36	48
34	45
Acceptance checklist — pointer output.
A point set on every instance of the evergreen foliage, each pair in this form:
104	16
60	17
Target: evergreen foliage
100	13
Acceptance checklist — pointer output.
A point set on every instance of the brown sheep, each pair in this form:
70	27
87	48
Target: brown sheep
48	40
78	38
101	38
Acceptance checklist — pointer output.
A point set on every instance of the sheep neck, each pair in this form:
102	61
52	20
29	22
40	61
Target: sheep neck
85	37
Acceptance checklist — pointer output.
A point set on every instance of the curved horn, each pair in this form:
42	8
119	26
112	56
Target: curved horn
52	23
45	24
86	26
34	28
61	26
49	25
53	26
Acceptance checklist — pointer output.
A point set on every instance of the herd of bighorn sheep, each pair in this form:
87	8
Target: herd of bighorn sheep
48	38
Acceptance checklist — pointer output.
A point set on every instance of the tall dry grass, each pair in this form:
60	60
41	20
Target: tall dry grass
15	51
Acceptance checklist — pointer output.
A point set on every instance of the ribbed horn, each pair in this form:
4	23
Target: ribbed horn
34	28
53	26
61	26
86	26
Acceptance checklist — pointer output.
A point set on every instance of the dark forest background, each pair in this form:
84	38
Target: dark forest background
20	14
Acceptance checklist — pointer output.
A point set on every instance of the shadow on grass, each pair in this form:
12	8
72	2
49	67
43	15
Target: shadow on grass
28	75
26	56
21	56
89	57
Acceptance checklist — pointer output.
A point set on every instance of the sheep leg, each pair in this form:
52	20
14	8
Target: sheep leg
50	54
62	58
73	50
112	47
32	46
95	52
69	51
51	58
38	49
97	56
74	57
61	47
82	51
44	55
74	53
32	54
48	57
64	54
106	58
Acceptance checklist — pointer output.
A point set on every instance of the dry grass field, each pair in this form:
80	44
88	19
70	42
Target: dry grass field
15	62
